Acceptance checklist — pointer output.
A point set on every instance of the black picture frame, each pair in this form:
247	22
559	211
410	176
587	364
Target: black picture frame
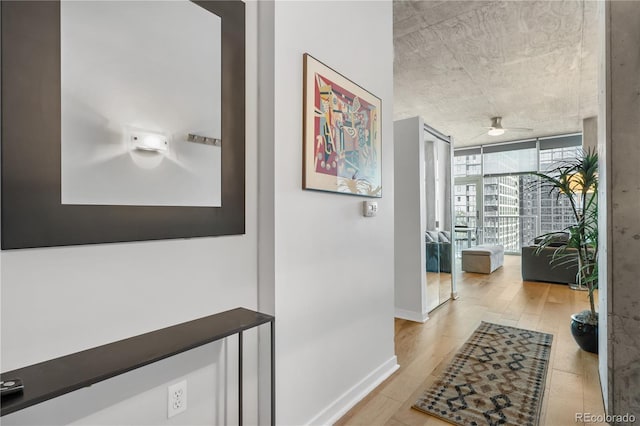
32	213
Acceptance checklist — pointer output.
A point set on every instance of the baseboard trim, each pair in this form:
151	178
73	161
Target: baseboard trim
411	315
350	398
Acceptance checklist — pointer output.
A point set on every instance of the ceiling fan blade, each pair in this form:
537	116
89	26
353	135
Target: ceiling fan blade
518	129
477	136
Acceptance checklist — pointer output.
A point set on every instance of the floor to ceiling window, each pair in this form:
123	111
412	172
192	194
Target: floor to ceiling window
501	211
496	194
555	214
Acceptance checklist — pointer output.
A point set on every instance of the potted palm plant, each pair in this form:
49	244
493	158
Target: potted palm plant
577	181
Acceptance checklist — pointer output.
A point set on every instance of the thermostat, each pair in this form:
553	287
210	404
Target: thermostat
369	208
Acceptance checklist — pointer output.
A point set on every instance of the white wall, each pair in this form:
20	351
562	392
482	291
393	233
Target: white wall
266	205
410	220
56	301
333	268
325	271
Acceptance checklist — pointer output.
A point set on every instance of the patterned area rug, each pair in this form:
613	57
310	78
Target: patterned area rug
497	378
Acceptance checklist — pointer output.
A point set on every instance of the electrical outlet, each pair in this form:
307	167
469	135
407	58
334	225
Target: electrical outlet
177	400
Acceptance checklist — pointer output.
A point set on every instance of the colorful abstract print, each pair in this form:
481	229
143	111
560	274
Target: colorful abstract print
345	132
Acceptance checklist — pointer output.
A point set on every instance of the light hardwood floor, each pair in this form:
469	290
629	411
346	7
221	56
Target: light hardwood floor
572	379
438	288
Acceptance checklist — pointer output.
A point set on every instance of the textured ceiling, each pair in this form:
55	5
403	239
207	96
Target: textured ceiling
459	63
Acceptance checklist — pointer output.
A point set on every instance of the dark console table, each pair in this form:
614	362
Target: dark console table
56	377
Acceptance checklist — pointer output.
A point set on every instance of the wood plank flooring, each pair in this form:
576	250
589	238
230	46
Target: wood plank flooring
438	288
572	380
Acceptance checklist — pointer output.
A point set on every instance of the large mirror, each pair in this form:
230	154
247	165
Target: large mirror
140	93
437	217
122	121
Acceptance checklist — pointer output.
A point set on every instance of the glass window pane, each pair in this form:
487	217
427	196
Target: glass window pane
552	158
466	165
501	212
518	161
515	209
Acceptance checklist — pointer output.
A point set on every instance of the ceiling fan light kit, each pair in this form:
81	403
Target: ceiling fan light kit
496	128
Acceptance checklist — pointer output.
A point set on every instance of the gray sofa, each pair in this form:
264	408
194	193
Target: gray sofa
538	267
438	251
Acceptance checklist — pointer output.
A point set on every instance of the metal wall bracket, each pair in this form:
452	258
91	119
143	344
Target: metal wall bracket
205	140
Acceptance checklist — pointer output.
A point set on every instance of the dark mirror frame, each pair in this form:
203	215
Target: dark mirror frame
32	213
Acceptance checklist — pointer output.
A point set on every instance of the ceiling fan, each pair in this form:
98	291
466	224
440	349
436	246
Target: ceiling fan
496	128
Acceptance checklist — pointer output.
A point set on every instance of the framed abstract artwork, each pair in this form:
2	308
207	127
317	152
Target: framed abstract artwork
342	149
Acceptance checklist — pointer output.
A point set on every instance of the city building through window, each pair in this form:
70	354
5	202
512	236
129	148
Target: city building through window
496	193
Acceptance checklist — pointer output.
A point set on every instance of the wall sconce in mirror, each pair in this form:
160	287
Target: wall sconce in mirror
149	141
148	150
